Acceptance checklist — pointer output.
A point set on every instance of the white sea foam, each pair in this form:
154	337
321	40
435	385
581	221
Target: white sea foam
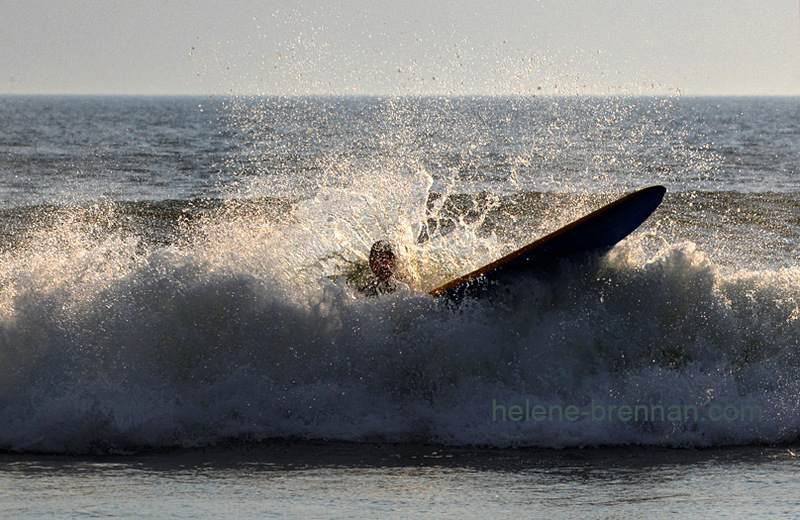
243	331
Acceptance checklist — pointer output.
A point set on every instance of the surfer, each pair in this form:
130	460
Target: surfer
383	263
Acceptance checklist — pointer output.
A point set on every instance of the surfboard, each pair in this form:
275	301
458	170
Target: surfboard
598	231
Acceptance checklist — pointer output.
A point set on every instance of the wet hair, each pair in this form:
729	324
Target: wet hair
382	260
381	247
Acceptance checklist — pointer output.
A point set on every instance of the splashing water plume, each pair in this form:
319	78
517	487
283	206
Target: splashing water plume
233	320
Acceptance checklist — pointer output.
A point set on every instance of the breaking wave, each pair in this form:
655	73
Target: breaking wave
244	328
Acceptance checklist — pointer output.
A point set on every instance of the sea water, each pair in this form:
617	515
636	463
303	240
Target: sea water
180	336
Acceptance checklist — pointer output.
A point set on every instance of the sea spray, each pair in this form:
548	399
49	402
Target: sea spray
109	344
150	319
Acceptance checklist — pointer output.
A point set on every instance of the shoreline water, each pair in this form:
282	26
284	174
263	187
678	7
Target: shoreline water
294	479
278	453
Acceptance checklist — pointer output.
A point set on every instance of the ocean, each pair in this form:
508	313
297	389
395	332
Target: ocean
180	335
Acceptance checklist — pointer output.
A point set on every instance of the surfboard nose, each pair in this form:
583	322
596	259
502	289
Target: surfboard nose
599	230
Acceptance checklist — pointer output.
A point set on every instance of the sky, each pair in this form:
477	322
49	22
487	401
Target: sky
691	47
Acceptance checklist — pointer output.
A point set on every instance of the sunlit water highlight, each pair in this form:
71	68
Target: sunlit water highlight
174	272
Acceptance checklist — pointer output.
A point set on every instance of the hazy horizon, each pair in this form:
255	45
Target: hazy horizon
420	48
390	96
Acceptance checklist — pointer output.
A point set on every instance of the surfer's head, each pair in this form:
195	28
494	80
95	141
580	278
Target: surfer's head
382	260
